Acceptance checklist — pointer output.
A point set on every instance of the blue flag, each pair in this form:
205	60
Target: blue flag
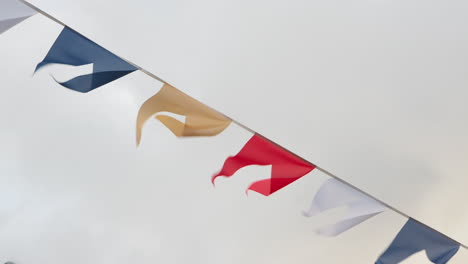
71	48
414	237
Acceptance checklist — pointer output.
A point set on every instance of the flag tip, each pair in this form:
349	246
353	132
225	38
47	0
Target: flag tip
213	178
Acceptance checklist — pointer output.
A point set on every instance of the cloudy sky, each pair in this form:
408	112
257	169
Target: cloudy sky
372	91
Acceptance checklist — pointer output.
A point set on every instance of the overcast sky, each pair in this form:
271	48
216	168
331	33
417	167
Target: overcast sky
373	91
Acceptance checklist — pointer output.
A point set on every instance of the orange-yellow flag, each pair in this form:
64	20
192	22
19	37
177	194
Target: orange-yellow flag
200	120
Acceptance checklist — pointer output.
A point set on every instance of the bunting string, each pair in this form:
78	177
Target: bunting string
202	120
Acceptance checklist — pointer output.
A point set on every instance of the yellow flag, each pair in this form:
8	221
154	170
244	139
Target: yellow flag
200	120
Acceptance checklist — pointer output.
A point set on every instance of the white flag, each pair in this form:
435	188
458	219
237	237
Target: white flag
13	12
333	194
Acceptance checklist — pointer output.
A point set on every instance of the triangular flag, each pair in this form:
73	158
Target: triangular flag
414	237
333	194
285	167
200	120
13	12
71	48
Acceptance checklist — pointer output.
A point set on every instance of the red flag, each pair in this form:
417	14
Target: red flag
285	167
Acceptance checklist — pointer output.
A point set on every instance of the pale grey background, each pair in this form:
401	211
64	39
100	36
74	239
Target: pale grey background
371	90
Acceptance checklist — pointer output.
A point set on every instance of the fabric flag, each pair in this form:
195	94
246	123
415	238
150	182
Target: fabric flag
200	120
333	194
71	48
285	167
13	12
414	237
